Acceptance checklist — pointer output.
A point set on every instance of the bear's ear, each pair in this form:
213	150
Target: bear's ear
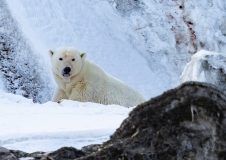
83	55
51	53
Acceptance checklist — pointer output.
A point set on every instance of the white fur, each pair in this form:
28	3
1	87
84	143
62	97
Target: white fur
88	82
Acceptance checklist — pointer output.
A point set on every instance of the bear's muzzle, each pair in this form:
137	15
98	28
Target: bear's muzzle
66	72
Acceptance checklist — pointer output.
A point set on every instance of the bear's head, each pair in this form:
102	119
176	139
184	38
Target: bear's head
66	62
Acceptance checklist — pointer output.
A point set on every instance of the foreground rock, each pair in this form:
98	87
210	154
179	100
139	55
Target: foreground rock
5	154
64	153
183	123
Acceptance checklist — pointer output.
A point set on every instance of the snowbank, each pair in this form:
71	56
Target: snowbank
34	127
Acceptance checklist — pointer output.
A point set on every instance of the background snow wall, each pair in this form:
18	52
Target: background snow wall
21	70
168	32
91	26
144	43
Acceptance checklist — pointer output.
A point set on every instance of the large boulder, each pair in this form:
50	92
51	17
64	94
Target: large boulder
183	123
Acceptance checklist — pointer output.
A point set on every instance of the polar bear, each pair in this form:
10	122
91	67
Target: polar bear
80	80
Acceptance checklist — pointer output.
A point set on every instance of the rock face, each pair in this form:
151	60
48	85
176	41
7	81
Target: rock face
187	122
5	154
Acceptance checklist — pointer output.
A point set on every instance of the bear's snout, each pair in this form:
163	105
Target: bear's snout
66	71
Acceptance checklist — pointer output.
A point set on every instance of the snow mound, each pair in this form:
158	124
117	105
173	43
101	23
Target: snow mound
205	66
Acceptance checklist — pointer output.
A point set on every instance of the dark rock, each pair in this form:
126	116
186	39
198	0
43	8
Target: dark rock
5	154
183	123
91	148
21	154
65	153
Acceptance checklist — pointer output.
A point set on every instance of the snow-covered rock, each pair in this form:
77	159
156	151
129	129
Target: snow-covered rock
22	70
205	66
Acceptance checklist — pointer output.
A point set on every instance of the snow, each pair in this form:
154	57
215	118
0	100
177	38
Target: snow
34	127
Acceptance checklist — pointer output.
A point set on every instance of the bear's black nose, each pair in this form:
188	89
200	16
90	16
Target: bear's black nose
67	70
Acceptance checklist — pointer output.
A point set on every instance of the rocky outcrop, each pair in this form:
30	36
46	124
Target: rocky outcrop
5	154
183	123
187	122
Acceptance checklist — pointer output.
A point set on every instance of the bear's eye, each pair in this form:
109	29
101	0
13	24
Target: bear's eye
73	59
60	59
